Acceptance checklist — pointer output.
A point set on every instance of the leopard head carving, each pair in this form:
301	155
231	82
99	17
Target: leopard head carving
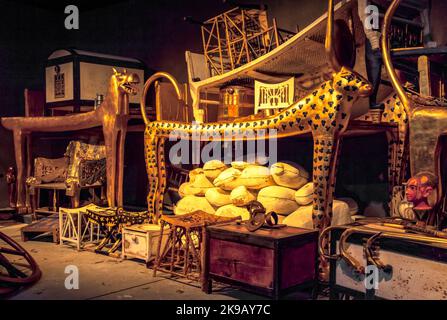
351	83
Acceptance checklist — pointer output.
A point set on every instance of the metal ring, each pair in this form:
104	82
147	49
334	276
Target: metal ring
268	219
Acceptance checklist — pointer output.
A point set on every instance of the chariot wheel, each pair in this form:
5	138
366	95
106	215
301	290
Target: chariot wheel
18	269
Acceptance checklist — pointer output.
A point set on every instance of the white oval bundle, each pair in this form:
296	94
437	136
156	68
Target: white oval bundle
185	190
227	180
278	199
231	210
305	194
240	165
290	175
352	204
190	204
199	186
218	197
256	177
240	196
213	168
194	173
302	217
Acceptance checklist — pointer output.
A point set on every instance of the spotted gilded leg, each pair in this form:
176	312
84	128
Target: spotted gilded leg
151	141
161	178
324	160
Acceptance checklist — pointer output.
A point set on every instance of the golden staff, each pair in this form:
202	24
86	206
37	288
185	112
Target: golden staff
387	55
154	77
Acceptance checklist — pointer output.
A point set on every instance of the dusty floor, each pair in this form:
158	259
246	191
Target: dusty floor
103	277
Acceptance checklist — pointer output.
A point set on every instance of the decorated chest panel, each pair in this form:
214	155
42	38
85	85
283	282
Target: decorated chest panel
75	78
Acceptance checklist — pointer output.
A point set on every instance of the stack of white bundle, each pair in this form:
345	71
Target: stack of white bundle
225	190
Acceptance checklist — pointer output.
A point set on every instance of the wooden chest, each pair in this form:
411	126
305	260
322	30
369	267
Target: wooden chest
74	78
270	262
141	241
418	268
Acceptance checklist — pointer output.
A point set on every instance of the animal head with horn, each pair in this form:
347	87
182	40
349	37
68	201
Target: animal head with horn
340	50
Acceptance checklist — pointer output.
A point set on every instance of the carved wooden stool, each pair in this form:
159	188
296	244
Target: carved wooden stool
184	251
110	222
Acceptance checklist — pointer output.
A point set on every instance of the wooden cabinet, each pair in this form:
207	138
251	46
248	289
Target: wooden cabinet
270	262
140	241
74	78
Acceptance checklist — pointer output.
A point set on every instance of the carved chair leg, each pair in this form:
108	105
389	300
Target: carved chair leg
120	166
19	140
30	198
55	199
76	197
110	141
36	202
28	157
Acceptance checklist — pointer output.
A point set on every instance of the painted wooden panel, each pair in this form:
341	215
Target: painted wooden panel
242	262
298	264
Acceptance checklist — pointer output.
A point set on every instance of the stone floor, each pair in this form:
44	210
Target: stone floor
103	277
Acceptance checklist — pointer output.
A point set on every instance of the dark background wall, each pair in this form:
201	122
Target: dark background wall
153	31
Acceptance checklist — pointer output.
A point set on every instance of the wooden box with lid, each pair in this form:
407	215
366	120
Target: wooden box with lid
271	262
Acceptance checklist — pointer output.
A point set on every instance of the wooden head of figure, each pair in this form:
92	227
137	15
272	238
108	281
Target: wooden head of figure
421	191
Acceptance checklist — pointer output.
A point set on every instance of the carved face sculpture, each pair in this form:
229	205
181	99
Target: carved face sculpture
419	189
127	82
352	83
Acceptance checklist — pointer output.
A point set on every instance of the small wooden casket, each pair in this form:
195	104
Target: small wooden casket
418	268
270	262
140	241
74	78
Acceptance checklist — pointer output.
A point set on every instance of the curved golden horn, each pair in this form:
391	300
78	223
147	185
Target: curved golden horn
329	41
148	83
387	55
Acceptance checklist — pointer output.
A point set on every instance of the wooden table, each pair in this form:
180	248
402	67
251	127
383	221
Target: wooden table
270	262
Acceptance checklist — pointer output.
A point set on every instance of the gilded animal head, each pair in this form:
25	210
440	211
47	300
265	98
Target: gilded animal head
340	50
351	83
127	83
